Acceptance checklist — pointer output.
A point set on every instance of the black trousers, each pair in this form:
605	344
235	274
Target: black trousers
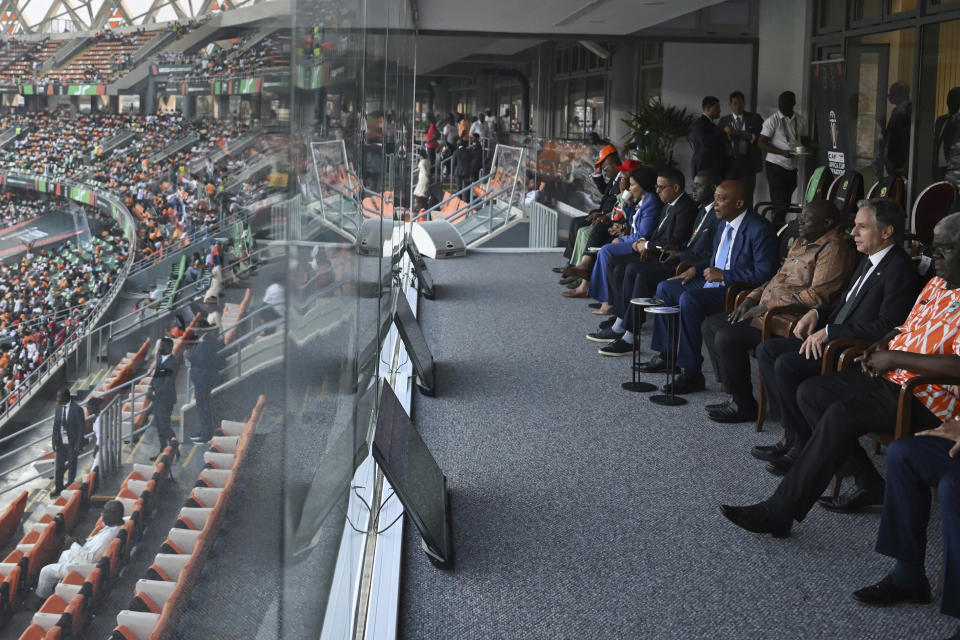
208	424
842	406
161	420
742	169
616	268
575	225
600	234
640	280
783	369
782	184
729	348
65	456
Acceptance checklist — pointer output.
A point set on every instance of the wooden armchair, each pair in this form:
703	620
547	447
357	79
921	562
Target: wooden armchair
844	351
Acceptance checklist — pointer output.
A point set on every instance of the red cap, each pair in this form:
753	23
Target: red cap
630	165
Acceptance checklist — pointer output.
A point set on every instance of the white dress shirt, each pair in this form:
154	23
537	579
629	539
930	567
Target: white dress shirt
735	224
874	259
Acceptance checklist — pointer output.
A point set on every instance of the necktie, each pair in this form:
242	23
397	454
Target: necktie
666	214
723	254
703	218
740	145
844	312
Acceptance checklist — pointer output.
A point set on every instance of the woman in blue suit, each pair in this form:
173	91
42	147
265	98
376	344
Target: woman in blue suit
643	185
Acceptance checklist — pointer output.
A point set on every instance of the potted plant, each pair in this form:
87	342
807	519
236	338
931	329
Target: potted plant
656	127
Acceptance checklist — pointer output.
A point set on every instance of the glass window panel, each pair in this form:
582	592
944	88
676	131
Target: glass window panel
938	112
831	14
900	6
867	9
880	89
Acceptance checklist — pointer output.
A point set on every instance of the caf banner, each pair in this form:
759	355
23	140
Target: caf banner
828	94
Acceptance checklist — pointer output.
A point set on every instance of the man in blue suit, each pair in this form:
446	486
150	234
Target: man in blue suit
684	233
744	250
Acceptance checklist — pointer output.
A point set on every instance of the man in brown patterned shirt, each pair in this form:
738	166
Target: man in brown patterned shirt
815	271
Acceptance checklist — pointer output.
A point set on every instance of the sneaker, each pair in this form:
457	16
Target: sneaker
618	348
605	335
608	323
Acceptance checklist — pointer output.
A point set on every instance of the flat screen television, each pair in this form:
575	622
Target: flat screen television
415	477
416	345
421	271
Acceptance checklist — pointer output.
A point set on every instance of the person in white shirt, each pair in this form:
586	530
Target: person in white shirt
82	551
781	136
94	404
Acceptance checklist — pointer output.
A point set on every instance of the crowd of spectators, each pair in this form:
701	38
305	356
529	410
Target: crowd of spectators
231	59
837	271
171	202
47	293
15	208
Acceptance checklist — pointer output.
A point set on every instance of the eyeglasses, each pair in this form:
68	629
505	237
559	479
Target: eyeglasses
663	187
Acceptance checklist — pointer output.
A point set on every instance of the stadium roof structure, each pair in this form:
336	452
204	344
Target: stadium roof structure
58	16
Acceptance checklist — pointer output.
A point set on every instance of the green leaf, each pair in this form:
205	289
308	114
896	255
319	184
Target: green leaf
658	127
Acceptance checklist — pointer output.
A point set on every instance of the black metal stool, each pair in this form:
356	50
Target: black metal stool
635	384
672	316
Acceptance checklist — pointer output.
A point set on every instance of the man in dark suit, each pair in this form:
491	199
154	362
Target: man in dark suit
709	141
869	308
67	439
814	273
608	185
640	273
848	404
164	392
745	250
742	129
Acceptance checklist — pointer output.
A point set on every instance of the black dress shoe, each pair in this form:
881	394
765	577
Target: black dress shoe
713	406
770	451
852	501
608	323
686	382
885	593
605	335
757	518
781	466
595	305
732	414
657	364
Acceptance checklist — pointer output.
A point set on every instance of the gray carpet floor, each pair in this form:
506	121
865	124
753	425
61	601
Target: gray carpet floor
584	511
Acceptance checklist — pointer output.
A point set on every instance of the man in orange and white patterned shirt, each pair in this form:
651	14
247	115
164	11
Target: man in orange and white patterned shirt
851	403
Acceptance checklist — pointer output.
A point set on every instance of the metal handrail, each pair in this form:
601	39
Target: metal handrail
23	430
469	188
32	382
89	436
172	250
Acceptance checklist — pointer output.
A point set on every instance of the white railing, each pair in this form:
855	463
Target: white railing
543	226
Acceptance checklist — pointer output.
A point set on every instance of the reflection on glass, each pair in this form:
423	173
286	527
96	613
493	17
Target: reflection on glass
938	115
866	9
349	107
899	6
879	92
831	14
